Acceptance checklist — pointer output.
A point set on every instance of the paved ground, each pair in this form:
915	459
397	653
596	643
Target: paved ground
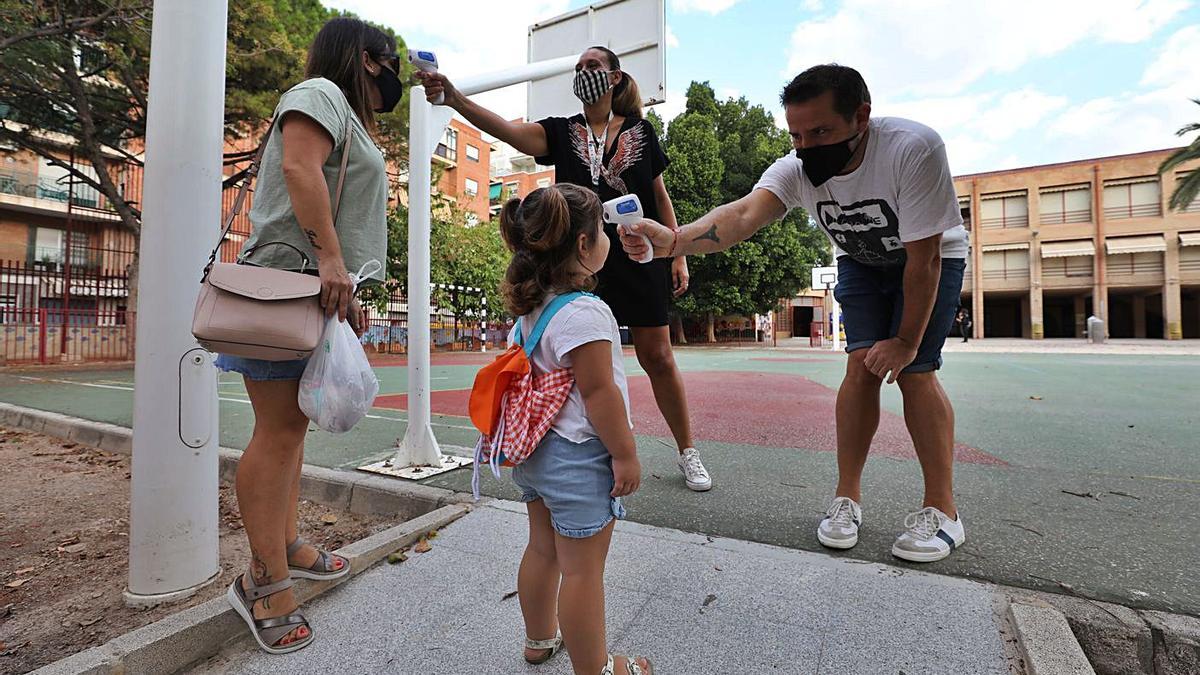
693	604
1075	469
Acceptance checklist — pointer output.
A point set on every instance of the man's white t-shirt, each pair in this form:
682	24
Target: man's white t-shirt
902	192
583	320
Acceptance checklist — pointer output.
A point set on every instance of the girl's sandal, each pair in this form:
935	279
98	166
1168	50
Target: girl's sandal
321	570
267	632
552	647
631	666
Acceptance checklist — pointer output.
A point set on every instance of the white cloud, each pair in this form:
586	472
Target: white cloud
492	36
673	106
710	6
1178	62
813	5
672	41
938	47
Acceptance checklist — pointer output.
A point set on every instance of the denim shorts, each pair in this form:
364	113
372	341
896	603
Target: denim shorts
575	481
872	302
258	370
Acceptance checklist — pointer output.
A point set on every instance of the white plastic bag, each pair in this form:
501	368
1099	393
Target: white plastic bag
338	385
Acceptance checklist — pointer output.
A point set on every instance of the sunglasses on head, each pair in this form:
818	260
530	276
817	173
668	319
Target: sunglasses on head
391	60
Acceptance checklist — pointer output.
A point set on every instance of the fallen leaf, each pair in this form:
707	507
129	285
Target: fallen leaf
16	584
15	544
329	519
716	568
509	596
1035	398
27	570
433	534
97	595
72	549
709	600
397	557
422	547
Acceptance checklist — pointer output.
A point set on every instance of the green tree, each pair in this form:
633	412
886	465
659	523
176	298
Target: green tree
1188	189
718	150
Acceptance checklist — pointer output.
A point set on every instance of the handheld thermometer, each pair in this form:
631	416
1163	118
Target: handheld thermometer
426	62
623	212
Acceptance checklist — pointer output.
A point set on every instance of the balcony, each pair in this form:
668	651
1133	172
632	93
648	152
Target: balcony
27	191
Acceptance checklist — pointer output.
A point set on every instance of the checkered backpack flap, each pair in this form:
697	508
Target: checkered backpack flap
513	407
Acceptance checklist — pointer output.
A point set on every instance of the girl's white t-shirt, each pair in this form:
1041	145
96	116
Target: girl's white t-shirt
583	320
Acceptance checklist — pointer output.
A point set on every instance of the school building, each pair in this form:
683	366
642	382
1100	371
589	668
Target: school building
1055	244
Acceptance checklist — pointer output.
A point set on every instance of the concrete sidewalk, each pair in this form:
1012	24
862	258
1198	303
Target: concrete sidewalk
693	604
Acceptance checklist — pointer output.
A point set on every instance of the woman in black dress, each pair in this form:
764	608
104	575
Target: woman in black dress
611	149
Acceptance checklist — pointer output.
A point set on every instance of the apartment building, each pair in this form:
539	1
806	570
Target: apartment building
1055	244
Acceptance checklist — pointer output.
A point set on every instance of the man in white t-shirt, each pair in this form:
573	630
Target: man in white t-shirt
881	190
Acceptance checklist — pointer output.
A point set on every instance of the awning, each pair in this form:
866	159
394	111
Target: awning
1148	244
1014	246
1067	249
494	191
1189	238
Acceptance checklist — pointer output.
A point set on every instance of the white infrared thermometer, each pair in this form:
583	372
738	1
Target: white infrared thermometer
624	212
426	62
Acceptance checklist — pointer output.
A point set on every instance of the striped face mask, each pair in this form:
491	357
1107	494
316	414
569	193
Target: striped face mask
590	85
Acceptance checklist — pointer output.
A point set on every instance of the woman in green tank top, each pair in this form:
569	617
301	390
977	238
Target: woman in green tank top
351	74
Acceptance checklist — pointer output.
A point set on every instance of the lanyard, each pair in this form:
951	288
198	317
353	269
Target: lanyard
596	147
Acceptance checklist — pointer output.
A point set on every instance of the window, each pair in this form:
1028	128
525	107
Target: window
1132	198
513	190
543	182
8	309
472	153
1007	264
1130	264
1194	207
1008	209
1066	204
448	146
1189	259
48	247
472	187
964	208
1067	266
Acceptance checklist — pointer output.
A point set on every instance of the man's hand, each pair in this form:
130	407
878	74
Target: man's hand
680	276
890	356
662	238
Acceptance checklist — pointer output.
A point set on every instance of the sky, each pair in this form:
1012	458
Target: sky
1006	84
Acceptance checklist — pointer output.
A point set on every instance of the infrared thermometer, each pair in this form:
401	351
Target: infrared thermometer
426	62
624	212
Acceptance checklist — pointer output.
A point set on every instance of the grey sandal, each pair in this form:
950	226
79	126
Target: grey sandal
322	570
631	665
554	645
267	632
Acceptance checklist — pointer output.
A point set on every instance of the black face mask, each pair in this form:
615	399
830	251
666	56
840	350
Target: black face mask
390	90
826	161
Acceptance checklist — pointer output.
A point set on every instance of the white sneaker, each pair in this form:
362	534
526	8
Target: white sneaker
931	536
839	528
694	473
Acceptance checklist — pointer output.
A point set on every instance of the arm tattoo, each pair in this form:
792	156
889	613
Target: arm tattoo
312	239
711	235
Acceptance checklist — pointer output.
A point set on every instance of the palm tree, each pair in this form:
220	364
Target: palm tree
1187	189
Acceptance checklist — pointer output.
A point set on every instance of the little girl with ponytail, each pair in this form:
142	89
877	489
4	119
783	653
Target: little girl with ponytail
573	481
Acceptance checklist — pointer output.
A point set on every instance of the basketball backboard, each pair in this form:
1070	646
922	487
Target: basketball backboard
634	29
824	278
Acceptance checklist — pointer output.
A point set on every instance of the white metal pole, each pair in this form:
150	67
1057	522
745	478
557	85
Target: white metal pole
419	447
837	323
173	497
539	70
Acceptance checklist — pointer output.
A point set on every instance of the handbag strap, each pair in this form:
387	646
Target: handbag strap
252	172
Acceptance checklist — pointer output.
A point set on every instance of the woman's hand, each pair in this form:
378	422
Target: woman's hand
680	276
337	288
627	476
357	318
437	84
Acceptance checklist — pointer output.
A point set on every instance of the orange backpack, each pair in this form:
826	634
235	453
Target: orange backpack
510	406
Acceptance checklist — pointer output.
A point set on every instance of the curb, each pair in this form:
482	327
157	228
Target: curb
353	491
1046	641
197	633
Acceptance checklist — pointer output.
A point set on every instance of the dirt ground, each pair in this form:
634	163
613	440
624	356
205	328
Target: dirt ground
64	523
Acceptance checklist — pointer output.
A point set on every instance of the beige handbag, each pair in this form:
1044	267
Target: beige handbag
259	312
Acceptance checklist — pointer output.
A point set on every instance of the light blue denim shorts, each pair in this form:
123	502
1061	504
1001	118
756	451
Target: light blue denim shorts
575	481
261	371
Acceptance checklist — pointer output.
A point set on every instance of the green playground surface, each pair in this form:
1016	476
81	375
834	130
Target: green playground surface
1072	468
